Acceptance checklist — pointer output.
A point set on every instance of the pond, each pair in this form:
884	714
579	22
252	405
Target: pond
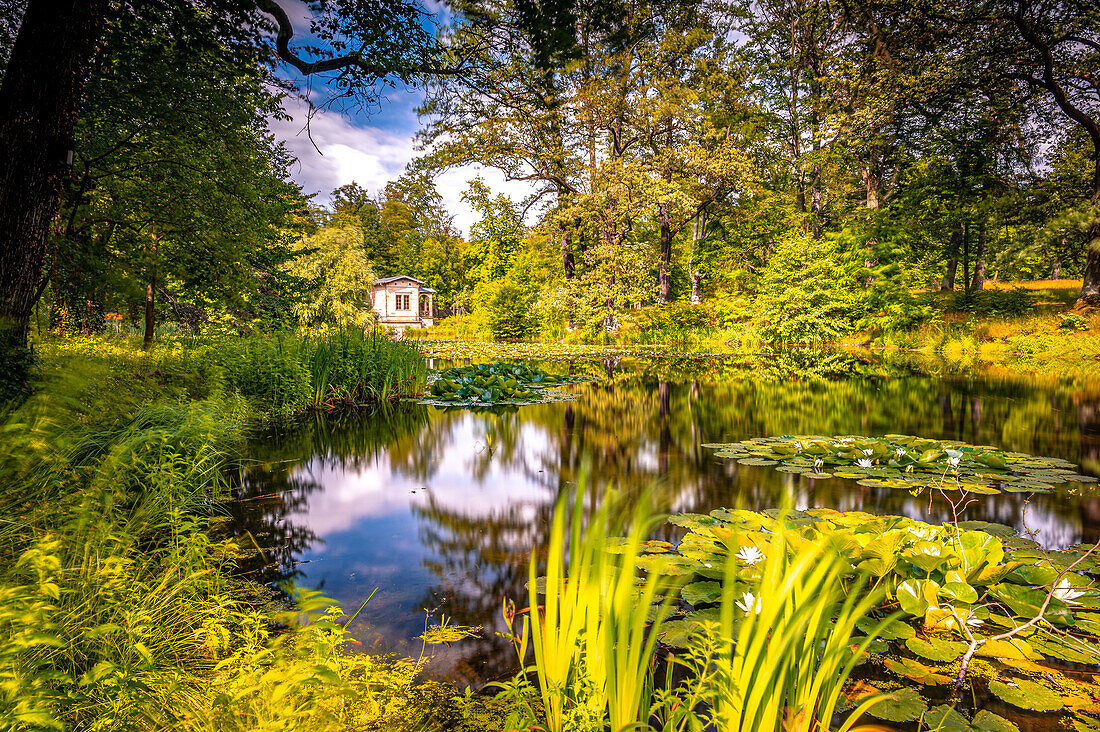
440	508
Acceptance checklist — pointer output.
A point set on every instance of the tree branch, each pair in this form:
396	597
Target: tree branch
348	61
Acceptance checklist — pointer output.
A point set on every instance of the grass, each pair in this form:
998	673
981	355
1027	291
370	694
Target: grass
777	659
119	608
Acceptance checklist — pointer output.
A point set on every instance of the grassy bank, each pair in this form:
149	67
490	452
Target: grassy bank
119	609
1005	322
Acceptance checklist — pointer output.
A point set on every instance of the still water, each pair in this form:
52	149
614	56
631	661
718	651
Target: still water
440	509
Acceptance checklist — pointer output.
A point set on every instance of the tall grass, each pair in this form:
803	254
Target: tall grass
778	658
286	374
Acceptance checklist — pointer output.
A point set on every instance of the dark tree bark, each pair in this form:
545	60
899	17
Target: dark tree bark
150	312
948	283
39	102
978	281
664	275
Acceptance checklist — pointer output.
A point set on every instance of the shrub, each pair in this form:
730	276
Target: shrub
803	299
995	303
507	309
676	322
1073	321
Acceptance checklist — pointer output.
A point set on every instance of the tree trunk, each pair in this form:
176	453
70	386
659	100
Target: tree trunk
871	184
948	283
1056	273
1090	288
150	313
664	271
39	101
978	282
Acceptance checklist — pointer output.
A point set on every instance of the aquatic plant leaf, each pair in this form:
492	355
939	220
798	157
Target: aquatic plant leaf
916	671
1026	694
986	721
903	705
945	718
939	649
698	593
1011	648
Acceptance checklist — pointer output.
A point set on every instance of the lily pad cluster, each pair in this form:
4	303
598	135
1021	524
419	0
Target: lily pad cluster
952	585
495	383
905	462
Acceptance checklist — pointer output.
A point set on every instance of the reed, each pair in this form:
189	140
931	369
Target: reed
777	659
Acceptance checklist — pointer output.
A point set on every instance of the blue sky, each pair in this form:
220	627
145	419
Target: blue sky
371	149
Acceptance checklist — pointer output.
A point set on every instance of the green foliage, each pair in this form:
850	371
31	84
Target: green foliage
995	303
285	374
1073	321
676	322
770	657
495	384
339	278
803	300
906	462
506	309
969	585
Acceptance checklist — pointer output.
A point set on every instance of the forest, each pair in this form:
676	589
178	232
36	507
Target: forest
687	153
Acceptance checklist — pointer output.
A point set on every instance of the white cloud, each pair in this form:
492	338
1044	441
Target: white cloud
337	150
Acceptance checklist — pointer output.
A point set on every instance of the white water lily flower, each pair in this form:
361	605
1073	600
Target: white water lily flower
953	461
868	451
750	554
863	463
1065	593
750	603
901	452
922	532
818	464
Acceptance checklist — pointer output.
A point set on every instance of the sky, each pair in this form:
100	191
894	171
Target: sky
371	149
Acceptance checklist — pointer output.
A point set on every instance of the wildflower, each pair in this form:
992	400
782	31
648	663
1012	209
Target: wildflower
1063	592
863	463
750	554
750	603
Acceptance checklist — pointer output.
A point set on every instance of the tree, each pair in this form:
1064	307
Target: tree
1039	56
178	192
495	237
359	44
340	278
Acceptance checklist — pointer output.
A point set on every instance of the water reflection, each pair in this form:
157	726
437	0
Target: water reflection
440	509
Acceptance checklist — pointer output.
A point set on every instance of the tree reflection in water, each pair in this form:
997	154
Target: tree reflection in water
442	508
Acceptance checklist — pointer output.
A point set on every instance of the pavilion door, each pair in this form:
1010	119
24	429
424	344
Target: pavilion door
425	306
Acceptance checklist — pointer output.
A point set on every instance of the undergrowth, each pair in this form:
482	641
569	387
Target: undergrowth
119	605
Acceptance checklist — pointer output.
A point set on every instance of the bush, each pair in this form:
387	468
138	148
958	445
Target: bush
803	297
995	303
507	309
1073	321
676	322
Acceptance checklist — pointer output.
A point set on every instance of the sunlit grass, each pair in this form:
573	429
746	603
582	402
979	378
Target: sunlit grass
777	659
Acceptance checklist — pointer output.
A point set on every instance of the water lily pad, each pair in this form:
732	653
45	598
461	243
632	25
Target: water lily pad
939	649
1026	694
944	718
916	671
698	593
903	705
986	721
